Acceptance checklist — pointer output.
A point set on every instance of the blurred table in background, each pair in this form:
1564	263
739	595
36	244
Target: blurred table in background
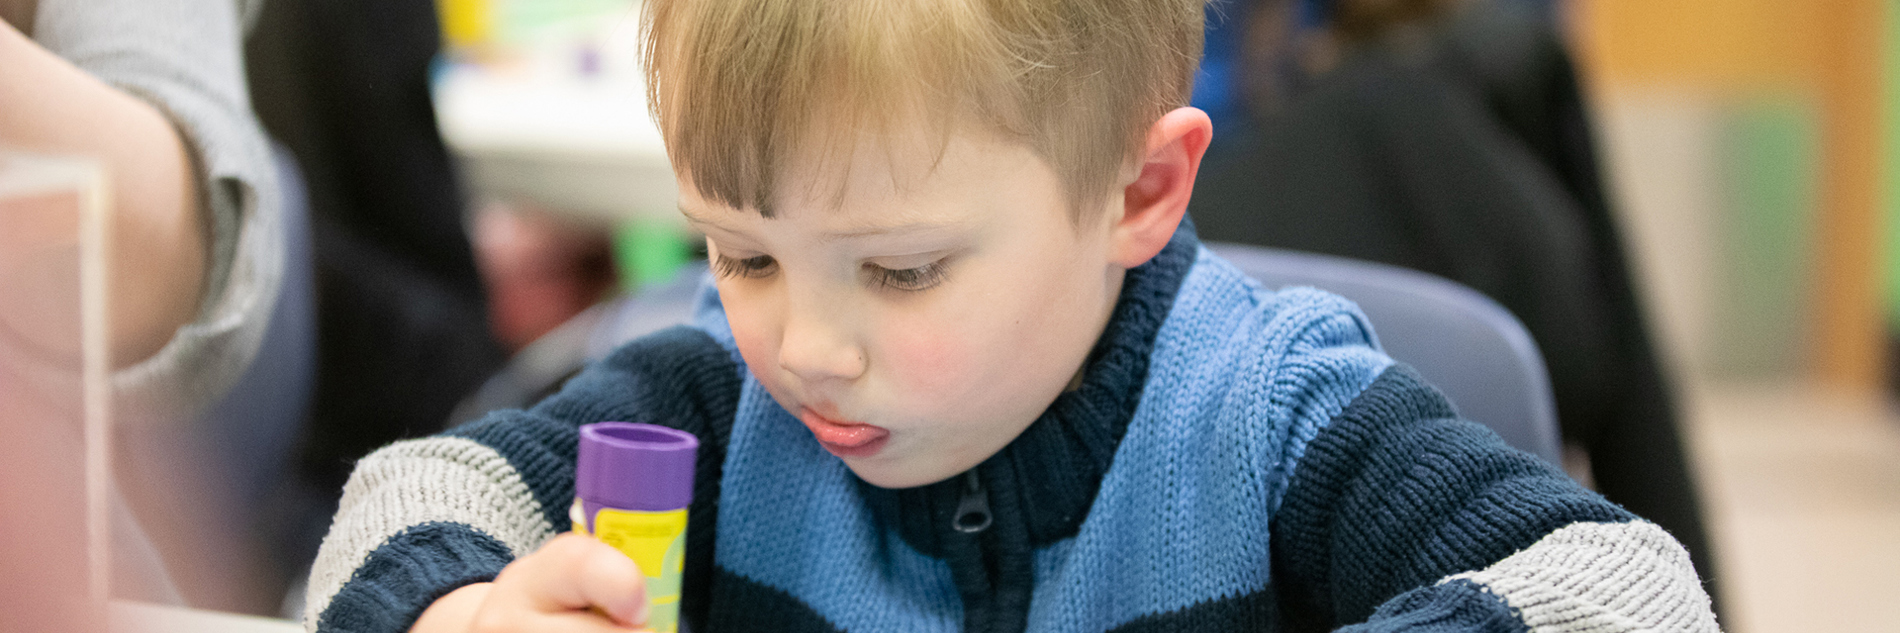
575	140
546	109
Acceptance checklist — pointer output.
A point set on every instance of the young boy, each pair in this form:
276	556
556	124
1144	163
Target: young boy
967	368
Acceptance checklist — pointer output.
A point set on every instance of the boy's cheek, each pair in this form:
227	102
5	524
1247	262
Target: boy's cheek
935	363
756	342
756	357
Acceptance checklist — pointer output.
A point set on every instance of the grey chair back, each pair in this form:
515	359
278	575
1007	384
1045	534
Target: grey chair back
1461	341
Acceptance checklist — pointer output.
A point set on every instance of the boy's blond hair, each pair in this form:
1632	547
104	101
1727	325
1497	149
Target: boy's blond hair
742	87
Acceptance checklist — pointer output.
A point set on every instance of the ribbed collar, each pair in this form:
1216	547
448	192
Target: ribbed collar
1051	472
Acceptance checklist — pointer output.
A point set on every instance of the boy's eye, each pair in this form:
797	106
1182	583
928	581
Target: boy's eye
907	279
749	267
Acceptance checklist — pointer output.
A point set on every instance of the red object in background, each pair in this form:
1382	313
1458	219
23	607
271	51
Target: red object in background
539	270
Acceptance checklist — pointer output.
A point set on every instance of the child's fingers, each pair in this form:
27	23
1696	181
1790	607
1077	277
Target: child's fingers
613	583
575	572
563	622
581	622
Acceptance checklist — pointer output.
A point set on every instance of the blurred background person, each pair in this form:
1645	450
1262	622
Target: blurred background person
1451	136
428	282
402	323
156	94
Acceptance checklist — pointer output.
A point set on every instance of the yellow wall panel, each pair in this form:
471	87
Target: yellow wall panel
1707	44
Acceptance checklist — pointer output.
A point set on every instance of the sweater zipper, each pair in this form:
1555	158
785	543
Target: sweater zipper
973	508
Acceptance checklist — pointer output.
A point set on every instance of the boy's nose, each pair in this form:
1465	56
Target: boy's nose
814	349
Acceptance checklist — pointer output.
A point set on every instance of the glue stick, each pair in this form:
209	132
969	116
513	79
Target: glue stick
632	484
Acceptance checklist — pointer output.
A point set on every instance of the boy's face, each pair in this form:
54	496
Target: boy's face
919	321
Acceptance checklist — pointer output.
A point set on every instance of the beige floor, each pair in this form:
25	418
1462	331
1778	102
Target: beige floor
1803	486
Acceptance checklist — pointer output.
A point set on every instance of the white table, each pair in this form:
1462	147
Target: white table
582	144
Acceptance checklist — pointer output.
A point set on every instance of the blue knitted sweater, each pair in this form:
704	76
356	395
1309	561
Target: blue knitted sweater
1234	459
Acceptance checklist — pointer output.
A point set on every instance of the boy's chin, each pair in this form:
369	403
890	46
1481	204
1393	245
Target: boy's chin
896	476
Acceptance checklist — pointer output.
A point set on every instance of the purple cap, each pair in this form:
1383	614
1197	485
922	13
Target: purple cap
635	466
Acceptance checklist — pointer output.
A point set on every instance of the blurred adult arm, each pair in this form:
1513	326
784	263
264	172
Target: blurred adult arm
155	91
159	246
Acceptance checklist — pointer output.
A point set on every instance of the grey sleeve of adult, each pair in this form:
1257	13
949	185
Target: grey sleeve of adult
186	58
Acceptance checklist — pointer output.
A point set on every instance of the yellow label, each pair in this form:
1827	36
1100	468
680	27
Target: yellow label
656	541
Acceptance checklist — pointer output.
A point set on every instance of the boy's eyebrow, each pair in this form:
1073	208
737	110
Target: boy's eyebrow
697	221
905	229
692	218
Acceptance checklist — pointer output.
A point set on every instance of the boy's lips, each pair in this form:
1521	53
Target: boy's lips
844	439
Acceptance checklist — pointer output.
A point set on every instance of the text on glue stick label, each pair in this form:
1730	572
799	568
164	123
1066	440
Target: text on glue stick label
656	541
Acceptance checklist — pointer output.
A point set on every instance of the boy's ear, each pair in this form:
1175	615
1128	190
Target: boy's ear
1152	205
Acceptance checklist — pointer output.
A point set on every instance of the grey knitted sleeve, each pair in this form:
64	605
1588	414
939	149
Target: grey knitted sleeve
185	57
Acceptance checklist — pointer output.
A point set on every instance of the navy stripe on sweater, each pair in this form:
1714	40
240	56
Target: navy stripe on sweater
1458	606
765	608
1399	493
411	570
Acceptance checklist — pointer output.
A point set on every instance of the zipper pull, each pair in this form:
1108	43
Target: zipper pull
973	509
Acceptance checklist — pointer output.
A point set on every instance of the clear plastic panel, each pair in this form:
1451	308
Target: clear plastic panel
55	477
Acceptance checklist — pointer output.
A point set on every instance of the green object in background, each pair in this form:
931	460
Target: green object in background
1770	169
648	251
525	21
1890	189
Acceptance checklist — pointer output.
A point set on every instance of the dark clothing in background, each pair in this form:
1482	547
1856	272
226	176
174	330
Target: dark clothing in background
1469	155
1514	62
402	323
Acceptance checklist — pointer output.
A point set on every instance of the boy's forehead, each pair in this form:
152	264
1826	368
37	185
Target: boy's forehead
910	177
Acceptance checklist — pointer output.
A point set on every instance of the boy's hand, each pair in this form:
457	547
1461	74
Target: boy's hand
574	583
